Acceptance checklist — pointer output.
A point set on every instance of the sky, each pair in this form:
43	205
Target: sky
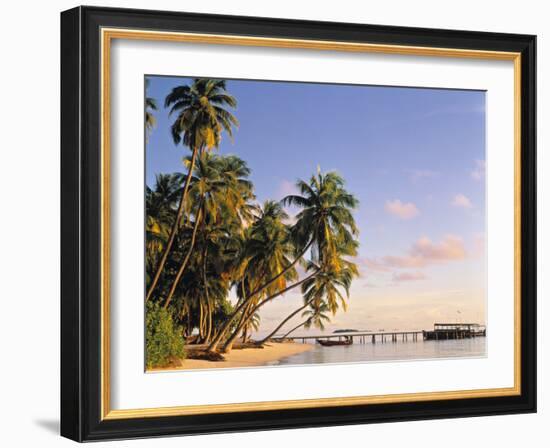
415	159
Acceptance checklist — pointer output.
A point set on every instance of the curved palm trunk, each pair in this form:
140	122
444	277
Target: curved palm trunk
245	334
201	322
175	227
208	323
285	320
288	288
183	265
295	328
245	316
207	297
269	299
283	272
229	321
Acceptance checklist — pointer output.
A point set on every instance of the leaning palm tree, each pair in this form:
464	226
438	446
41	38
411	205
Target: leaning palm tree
252	324
315	317
327	287
325	226
327	221
268	252
202	116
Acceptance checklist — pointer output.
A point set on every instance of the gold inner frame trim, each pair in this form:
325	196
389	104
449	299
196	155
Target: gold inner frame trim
107	35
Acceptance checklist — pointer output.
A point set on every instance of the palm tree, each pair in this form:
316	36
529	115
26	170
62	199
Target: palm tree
316	317
326	288
222	192
201	294
268	251
325	225
326	220
150	106
161	203
214	249
252	324
202	116
211	249
239	190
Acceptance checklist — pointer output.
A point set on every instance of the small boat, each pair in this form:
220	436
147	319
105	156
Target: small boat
329	343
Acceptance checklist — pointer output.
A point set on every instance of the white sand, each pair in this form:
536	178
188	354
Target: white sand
246	357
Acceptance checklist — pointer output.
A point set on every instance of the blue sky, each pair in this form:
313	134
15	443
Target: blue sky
414	158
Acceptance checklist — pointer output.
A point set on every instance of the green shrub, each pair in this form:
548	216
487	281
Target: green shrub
163	339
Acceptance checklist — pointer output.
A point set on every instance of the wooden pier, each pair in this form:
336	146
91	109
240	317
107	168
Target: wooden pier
361	337
441	331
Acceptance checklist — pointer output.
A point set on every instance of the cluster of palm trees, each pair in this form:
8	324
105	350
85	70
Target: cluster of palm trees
206	235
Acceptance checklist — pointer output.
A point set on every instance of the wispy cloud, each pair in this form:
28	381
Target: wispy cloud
478	172
402	261
423	252
450	248
374	265
400	277
403	210
461	201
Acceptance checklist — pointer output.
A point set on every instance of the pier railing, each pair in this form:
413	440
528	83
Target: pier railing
360	337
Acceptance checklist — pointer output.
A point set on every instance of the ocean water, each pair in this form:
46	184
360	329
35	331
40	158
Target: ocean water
389	351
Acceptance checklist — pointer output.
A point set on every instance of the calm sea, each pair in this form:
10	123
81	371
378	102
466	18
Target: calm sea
389	351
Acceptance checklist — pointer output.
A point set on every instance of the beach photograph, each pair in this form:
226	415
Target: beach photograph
296	223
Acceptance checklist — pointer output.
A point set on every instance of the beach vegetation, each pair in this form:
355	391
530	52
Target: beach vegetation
164	340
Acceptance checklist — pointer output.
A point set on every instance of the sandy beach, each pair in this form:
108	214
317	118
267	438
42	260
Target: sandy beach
246	357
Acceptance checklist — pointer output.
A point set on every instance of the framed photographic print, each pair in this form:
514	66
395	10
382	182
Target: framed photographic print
276	224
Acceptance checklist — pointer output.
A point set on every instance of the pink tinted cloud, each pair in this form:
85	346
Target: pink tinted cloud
450	248
408	276
403	210
423	252
374	265
402	261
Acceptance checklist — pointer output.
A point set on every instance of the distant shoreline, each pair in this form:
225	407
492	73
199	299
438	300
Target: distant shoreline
246	357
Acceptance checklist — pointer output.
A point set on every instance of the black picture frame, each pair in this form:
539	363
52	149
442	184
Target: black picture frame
81	224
